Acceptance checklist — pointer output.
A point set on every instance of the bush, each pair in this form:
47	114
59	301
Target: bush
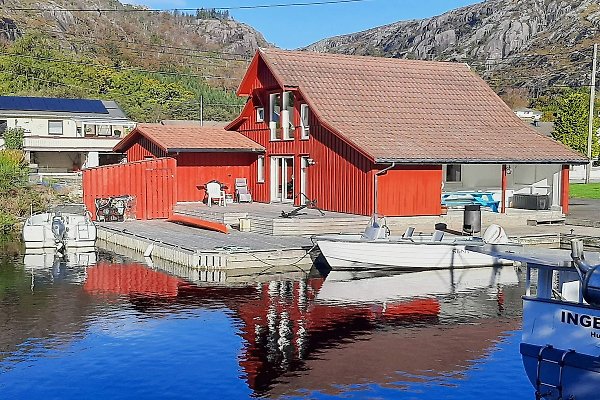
13	138
13	174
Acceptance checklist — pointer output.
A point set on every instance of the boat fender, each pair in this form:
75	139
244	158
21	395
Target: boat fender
495	234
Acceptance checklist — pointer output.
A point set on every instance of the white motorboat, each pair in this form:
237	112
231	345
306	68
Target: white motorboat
67	226
376	249
560	343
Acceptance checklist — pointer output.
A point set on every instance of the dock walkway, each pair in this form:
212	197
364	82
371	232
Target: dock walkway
200	248
266	219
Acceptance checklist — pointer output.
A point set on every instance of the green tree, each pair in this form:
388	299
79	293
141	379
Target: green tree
13	138
571	125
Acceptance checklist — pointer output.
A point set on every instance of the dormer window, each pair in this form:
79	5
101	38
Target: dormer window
275	115
287	116
260	114
304	121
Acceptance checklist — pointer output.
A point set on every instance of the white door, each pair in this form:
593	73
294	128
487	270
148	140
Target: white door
304	179
282	179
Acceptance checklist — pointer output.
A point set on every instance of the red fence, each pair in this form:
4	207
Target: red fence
151	184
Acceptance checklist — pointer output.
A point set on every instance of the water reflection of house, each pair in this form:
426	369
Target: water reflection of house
293	340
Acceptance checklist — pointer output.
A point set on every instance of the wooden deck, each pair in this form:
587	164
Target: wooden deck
266	219
199	248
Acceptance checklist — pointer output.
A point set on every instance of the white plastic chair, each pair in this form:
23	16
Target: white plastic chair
241	190
214	192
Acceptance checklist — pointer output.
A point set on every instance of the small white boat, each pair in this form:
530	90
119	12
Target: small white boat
67	226
376	249
560	343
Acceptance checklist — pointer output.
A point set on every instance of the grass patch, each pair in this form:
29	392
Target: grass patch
585	190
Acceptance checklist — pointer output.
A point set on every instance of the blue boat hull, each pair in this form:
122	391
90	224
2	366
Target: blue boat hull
580	373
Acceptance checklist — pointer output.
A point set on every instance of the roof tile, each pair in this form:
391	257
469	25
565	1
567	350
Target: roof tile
413	111
192	138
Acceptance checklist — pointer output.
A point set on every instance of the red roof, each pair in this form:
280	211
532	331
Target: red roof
411	111
174	139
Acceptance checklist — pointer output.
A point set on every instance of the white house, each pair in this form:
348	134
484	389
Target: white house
65	135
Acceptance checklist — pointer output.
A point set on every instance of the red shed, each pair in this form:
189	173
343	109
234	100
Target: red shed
202	154
340	129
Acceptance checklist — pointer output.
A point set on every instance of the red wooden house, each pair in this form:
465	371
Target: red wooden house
202	154
331	124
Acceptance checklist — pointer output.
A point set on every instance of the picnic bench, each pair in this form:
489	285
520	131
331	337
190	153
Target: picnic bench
463	198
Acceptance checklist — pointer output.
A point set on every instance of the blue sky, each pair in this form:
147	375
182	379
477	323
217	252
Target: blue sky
293	27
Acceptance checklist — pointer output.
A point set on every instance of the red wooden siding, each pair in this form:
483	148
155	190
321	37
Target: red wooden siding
144	149
195	169
410	190
151	182
564	189
341	179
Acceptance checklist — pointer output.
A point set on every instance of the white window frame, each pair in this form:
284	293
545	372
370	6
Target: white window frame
304	121
103	130
275	123
459	166
62	127
260	114
287	115
260	169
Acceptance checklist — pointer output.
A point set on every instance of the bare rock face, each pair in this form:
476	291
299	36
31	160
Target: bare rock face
499	35
160	28
8	29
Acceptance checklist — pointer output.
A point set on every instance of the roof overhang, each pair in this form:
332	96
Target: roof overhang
475	161
216	150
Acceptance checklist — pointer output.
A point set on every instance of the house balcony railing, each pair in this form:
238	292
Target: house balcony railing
61	143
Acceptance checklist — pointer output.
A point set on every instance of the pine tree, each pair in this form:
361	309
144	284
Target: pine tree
571	125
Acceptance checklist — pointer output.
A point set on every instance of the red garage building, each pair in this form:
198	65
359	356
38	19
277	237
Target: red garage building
202	154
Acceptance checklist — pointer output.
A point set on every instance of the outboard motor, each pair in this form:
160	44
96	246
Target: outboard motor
58	229
590	285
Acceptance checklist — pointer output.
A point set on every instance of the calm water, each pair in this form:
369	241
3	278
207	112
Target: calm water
117	329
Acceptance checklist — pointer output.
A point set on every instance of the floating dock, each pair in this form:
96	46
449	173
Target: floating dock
198	248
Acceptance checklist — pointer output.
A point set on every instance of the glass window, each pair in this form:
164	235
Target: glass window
260	114
103	130
260	172
275	116
304	121
453	173
55	127
289	107
3	126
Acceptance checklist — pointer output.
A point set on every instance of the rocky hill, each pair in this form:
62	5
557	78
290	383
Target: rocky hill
129	35
531	44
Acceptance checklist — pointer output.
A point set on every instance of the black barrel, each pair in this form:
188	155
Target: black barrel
472	219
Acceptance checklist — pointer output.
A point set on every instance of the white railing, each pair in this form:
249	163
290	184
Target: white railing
69	143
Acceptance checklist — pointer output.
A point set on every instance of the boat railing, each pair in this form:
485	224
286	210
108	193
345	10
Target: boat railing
575	280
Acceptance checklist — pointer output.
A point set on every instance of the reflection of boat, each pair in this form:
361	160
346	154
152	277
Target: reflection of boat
43	259
66	226
69	266
371	287
376	249
561	320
